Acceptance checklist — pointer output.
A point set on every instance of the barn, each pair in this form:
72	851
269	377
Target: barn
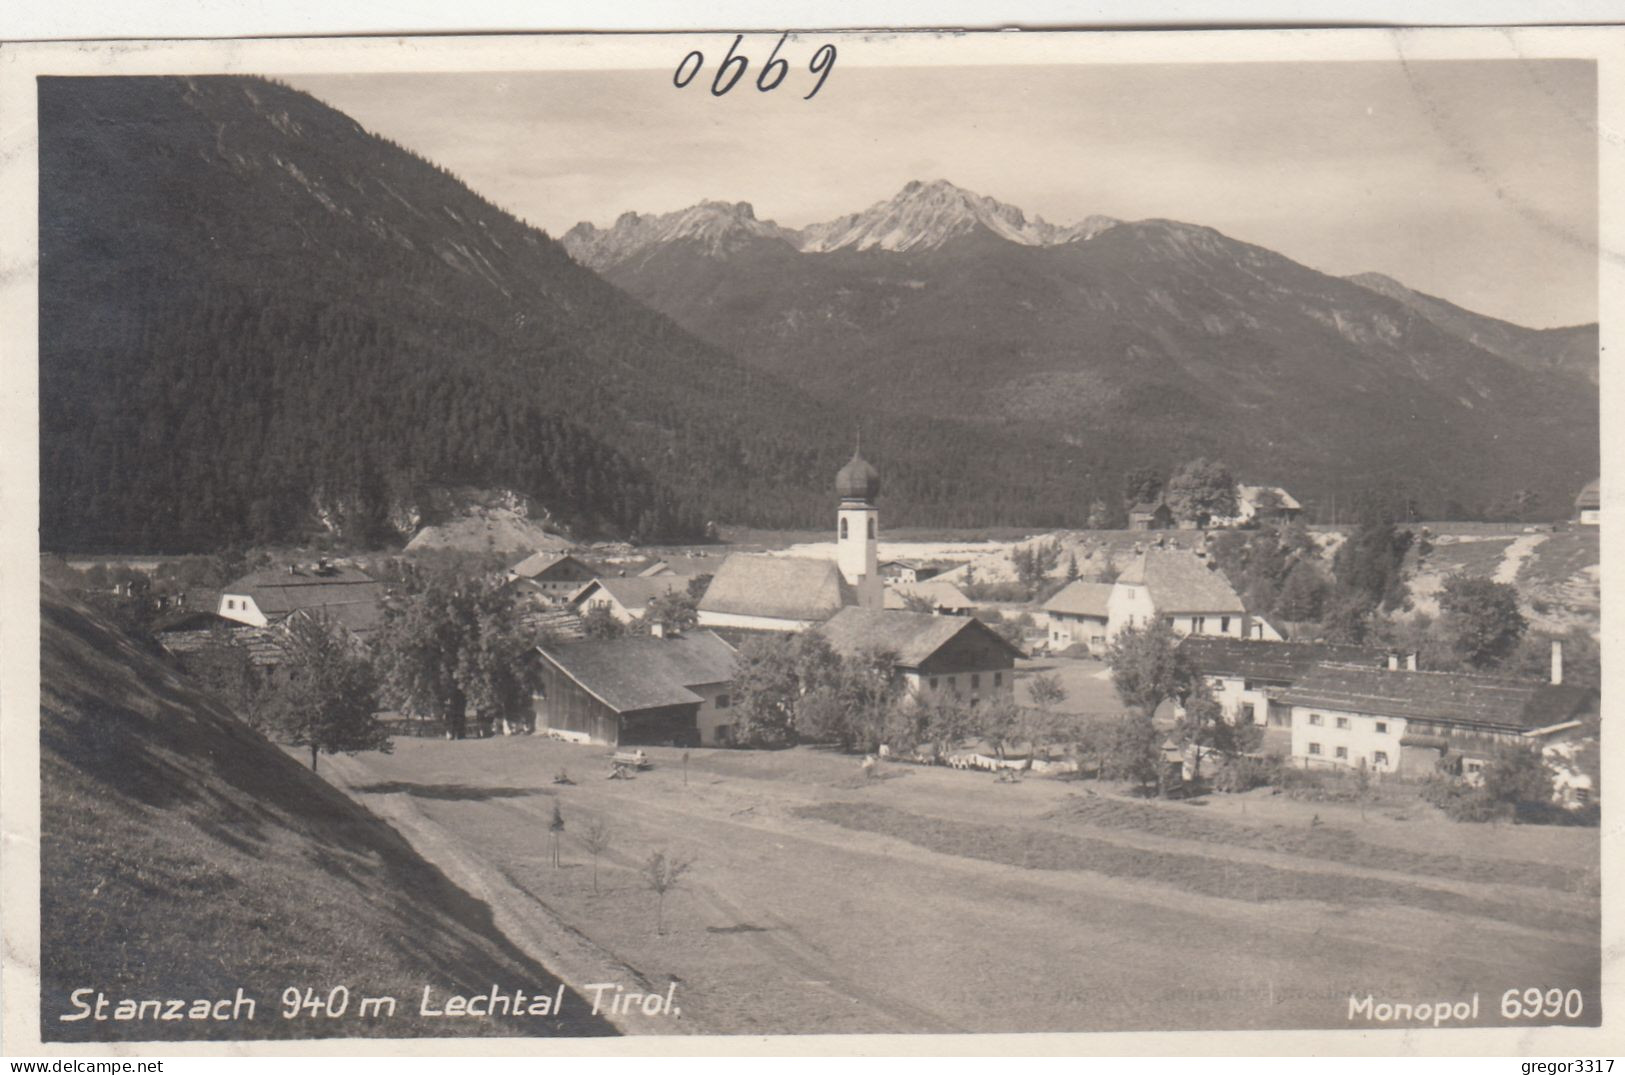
638	691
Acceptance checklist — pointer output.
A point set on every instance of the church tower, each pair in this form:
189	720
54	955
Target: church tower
857	530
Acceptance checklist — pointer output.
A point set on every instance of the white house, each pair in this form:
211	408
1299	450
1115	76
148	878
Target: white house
1260	503
1078	616
627	599
347	596
1179	587
1245	673
938	657
1588	505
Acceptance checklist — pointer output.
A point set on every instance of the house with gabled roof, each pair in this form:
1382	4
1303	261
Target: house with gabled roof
937	657
638	690
1260	504
338	594
551	577
942	596
774	593
1418	722
1151	515
627	599
1182	588
1078	616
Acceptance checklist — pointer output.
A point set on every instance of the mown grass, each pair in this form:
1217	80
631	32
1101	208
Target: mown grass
1324	842
1039	849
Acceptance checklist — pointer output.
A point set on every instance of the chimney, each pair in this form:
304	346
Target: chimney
1393	662
1557	662
1410	661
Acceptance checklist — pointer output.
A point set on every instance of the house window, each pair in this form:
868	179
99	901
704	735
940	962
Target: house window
843	529
1475	767
723	701
1224	625
953	683
1582	796
1382	727
1380	758
1342	722
1315	718
1198	624
230	603
1343	752
975	681
933	682
1314	748
1250	713
998	679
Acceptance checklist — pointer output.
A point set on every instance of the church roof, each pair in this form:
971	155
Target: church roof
778	587
857	480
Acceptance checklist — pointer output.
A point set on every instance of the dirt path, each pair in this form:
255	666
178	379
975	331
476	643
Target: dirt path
1521	549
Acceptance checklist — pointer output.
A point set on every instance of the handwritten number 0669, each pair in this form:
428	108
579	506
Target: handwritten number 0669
735	65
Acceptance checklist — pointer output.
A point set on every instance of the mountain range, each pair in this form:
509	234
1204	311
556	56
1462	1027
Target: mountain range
1144	342
260	322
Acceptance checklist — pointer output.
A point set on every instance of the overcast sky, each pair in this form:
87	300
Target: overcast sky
1473	181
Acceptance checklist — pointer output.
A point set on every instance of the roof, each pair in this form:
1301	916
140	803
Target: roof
539	562
940	594
1080	598
1590	498
1149	507
357	617
192	620
1249	494
778	587
1280	661
1452	697
278	592
912	636
639	672
636	591
1181	581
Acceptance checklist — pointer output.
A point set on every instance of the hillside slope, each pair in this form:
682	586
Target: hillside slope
1152	341
183	856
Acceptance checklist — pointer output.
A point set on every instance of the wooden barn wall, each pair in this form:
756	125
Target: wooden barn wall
564	705
968	651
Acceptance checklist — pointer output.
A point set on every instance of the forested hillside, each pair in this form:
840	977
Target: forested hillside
258	320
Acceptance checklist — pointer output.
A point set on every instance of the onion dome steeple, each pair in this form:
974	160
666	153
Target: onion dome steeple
858	480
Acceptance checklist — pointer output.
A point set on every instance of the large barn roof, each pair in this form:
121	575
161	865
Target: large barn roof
1279	661
630	674
778	587
1180	581
912	636
278	592
1454	697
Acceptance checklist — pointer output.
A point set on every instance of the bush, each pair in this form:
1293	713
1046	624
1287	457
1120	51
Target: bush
1245	773
1462	801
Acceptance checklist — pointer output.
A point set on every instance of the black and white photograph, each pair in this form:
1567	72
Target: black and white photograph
811	534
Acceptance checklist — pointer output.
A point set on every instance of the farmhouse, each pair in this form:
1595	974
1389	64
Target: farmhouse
1245	673
1417	723
638	691
627	599
1588	505
1182	588
943	597
346	596
552	577
906	571
1150	515
938	657
1078	616
784	593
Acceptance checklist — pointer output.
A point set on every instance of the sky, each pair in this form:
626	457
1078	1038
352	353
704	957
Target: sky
1475	181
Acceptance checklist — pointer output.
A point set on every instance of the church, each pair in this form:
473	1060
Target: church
791	593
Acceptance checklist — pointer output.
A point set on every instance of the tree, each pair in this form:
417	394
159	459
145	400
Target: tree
1201	491
1071	567
327	697
1369	564
1347	618
1134	752
1518	775
1045	690
663	872
774	674
1582	657
596	838
600	623
698	585
556	827
1034	562
1303	595
947	724
1202	729
1147	667
675	612
1142	485
1481	618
